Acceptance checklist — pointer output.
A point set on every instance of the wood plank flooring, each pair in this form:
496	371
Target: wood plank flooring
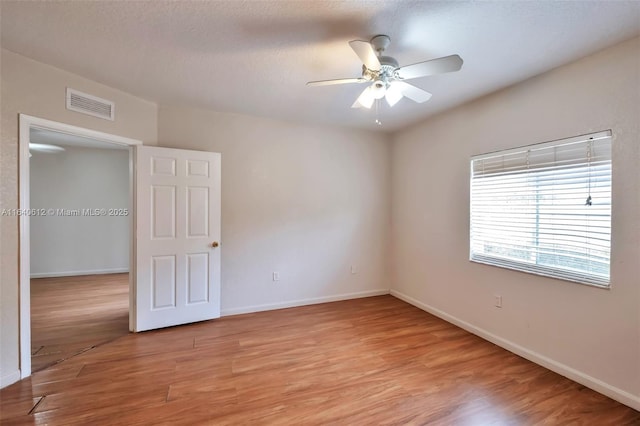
70	315
360	362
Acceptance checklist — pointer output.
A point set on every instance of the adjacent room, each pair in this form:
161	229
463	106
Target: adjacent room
79	262
320	212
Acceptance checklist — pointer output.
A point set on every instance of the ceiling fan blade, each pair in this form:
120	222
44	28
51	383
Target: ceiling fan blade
393	94
434	66
412	92
336	81
367	55
365	99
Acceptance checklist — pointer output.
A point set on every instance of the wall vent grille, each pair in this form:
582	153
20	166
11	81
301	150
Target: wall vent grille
90	105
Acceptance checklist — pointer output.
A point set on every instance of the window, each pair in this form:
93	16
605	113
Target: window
545	209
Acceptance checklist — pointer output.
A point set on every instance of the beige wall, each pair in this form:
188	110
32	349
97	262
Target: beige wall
307	202
36	89
564	325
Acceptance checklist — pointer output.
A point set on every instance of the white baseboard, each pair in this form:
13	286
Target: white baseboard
76	273
8	379
302	302
612	392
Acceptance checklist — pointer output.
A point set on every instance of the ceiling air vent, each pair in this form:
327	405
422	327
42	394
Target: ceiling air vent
90	105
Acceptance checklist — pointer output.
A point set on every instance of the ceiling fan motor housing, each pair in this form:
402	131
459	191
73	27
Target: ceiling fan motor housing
388	66
380	42
388	61
386	73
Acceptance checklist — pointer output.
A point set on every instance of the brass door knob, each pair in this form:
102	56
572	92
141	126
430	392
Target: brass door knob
215	244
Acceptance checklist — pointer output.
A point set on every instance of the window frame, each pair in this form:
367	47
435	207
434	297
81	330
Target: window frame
585	277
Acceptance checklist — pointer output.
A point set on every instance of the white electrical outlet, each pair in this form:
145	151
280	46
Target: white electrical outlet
276	276
498	301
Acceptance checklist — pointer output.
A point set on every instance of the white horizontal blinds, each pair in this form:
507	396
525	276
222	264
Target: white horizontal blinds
545	208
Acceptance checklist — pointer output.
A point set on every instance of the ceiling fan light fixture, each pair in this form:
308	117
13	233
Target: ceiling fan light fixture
392	95
365	99
378	89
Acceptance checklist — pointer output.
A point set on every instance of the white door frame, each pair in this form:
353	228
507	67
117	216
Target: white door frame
26	124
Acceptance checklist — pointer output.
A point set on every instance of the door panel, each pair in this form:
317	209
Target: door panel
163	216
197	168
197	212
197	274
163	282
163	166
177	220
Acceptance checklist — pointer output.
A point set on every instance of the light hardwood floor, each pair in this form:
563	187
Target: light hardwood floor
360	362
70	315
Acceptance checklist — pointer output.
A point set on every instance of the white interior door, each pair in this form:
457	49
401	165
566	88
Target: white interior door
177	237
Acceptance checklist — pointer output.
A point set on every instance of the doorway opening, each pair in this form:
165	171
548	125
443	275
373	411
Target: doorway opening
76	285
79	188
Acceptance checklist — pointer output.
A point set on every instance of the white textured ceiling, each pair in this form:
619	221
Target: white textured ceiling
254	57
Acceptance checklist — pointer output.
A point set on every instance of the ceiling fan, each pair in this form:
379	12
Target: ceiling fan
387	77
